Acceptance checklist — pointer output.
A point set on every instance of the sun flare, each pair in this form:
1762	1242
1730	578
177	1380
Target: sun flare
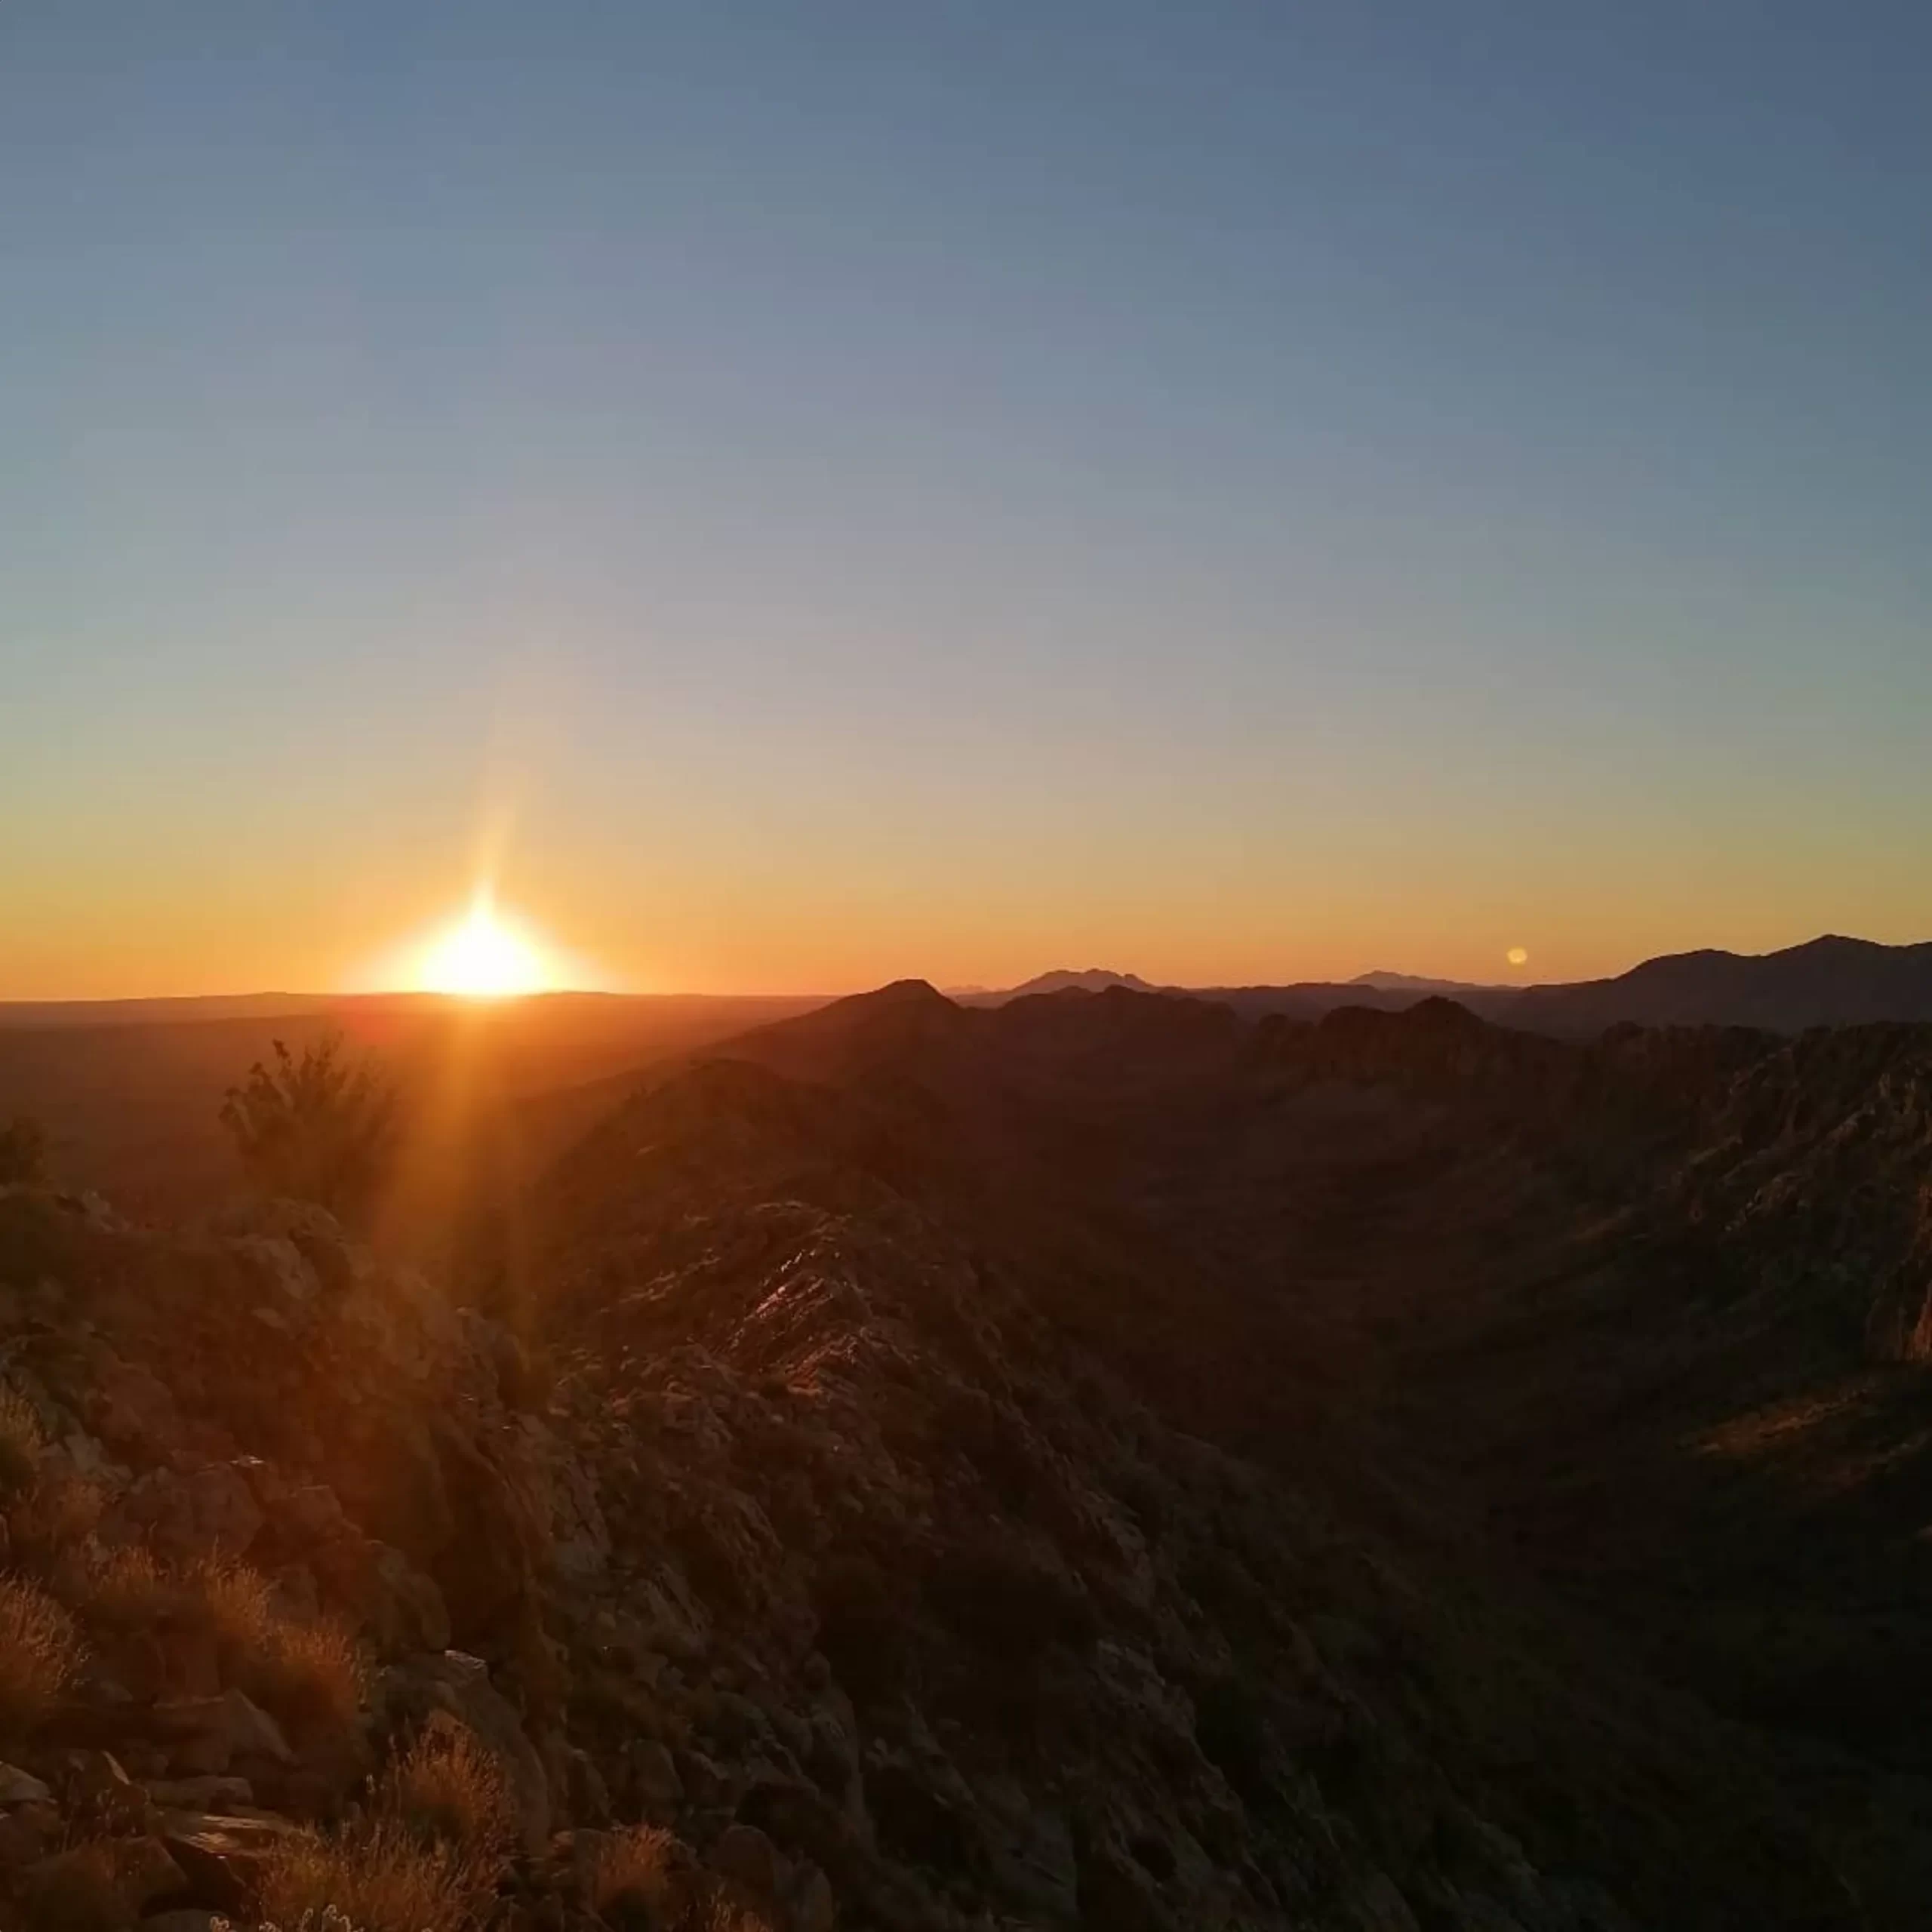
483	957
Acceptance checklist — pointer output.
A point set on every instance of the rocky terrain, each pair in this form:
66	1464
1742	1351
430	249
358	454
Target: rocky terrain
1090	1462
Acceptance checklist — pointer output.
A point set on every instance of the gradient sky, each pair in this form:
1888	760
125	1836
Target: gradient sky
826	491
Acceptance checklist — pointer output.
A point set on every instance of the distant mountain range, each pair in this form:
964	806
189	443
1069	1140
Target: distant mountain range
1414	983
1830	981
1083	979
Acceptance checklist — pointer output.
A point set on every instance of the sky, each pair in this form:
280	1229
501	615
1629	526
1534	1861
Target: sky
803	495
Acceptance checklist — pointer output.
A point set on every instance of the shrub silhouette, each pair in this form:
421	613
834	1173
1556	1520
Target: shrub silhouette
320	1128
23	1150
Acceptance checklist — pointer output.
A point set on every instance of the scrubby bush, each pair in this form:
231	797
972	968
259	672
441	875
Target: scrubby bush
23	1150
21	1443
305	1670
321	1128
448	1787
121	1589
36	1238
633	1876
380	1876
51	1523
39	1653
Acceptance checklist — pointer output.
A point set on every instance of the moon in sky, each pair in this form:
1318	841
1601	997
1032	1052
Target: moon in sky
1517	956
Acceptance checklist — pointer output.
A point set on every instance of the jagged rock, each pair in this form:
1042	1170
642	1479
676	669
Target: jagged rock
705	1782
219	1854
1030	1854
400	1608
744	1855
587	1796
20	1842
280	1268
801	1819
310	1513
204	1516
1380	1907
200	1794
19	1787
658	1788
811	1906
146	1871
95	1785
1117	1893
103	1884
229	1726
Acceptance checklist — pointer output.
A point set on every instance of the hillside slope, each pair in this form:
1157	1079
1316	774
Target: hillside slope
1088	1463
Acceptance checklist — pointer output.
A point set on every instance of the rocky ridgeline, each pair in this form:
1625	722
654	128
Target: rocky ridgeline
989	1641
1792	1168
796	1569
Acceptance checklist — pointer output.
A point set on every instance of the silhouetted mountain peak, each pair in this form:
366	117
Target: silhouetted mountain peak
895	992
1417	982
1084	980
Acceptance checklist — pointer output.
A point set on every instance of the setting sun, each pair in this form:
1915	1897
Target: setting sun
483	958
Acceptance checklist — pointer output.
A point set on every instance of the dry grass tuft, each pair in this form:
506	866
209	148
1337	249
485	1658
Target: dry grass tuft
311	1674
727	1915
307	1673
327	1920
380	1878
122	1588
40	1651
238	1603
449	1786
55	1515
634	1868
21	1442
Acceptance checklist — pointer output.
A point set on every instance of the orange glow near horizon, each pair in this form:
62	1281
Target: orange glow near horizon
485	957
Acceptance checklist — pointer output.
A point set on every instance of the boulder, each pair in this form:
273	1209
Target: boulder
96	1787
656	1786
102	1885
145	1871
220	1854
204	1516
229	1726
811	1906
398	1608
202	1793
19	1787
745	1857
